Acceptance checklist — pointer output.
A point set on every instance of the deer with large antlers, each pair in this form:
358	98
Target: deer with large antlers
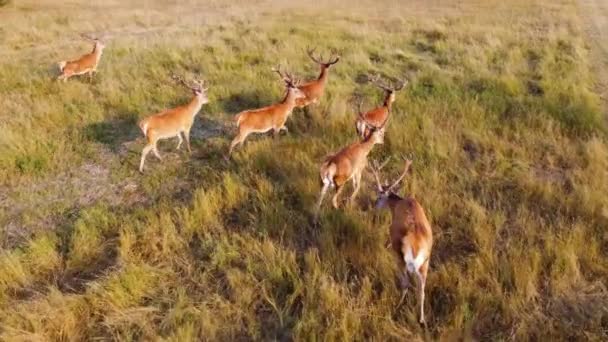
173	122
347	165
314	89
371	120
268	118
86	64
410	232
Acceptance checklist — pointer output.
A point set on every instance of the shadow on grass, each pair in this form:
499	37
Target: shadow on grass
236	103
113	132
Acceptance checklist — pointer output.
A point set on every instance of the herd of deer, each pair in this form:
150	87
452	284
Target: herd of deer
411	236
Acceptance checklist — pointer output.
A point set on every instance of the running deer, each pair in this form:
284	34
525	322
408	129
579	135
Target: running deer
314	89
410	232
268	118
371	120
86	64
345	165
173	122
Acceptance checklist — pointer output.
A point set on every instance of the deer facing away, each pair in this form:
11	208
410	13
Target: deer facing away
368	121
347	165
173	122
411	235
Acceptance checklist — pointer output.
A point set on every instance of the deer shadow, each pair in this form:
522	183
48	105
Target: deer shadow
114	132
236	103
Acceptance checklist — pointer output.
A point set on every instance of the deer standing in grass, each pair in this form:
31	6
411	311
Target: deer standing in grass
86	64
376	117
410	232
314	89
173	122
268	118
345	165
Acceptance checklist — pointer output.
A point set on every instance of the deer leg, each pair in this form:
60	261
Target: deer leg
239	139
422	271
144	153
326	186
186	134
334	200
357	184
284	128
179	141
155	150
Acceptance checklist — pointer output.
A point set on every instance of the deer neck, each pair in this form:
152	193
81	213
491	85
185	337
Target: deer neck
367	145
195	104
387	103
392	202
323	75
97	52
289	102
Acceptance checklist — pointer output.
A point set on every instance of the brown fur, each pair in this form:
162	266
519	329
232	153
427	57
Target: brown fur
265	119
171	123
376	117
86	64
347	164
411	235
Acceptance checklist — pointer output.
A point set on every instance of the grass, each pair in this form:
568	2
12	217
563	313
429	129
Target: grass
510	150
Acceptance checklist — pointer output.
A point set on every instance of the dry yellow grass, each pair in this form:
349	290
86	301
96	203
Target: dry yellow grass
511	160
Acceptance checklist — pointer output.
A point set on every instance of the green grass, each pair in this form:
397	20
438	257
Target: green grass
507	133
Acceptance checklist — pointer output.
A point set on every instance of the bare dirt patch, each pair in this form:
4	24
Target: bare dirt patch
51	200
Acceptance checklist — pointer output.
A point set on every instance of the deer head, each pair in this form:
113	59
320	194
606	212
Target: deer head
290	82
384	191
197	86
390	90
333	59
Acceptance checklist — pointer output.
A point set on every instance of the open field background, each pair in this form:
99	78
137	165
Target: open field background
502	115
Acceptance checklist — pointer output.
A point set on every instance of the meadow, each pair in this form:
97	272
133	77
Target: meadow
501	115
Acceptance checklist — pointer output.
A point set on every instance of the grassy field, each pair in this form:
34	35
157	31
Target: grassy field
510	154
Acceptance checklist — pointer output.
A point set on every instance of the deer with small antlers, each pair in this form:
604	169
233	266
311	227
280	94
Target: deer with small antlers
347	165
173	122
314	89
410	232
371	120
86	64
268	118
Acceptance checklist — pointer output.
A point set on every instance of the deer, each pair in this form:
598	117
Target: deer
347	165
173	122
372	119
411	236
86	64
314	89
268	118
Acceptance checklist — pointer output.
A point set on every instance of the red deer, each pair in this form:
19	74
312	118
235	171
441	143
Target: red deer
86	64
375	118
345	165
314	89
173	122
410	232
268	118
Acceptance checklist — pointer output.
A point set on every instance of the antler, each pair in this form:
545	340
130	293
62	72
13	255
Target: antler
199	84
333	59
285	76
87	36
375	168
408	162
375	79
